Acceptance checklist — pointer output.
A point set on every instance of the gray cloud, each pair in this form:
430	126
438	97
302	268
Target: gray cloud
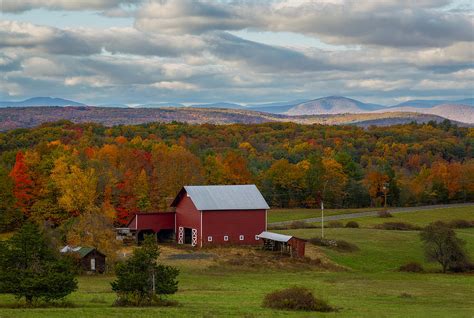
181	51
18	6
384	23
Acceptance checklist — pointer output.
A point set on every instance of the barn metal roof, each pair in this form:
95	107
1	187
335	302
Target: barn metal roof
275	236
225	197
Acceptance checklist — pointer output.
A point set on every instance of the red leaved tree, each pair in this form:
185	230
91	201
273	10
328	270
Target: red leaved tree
23	184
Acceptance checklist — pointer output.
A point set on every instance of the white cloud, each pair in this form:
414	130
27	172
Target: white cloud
175	85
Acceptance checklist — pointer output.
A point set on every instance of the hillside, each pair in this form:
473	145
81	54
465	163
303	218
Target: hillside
457	112
40	101
332	105
25	117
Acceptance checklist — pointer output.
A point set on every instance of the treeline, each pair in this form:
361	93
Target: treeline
61	171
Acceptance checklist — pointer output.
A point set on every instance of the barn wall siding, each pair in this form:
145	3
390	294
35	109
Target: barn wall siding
218	224
188	216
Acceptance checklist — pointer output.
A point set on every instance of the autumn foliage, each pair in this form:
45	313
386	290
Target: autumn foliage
62	171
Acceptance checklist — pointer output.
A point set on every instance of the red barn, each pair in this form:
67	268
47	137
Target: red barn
220	215
160	223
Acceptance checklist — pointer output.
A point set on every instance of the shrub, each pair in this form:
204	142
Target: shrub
298	225
295	298
462	267
412	267
344	246
384	214
339	245
335	224
352	225
461	224
398	226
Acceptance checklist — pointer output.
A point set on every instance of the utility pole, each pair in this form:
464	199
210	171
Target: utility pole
385	189
322	219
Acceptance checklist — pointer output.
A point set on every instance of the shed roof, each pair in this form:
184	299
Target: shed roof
275	236
82	251
224	197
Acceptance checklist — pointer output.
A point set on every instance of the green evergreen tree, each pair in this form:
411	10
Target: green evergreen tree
140	278
30	269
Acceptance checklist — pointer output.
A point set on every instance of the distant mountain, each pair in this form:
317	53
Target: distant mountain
161	104
466	101
219	105
118	105
422	103
40	101
24	117
277	107
457	112
332	105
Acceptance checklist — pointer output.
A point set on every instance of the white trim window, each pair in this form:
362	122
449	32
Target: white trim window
209	238
241	237
226	238
256	238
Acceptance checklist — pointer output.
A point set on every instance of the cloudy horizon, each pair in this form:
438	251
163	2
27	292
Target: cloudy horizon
132	52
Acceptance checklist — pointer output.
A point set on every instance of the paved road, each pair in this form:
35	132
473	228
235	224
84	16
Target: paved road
374	213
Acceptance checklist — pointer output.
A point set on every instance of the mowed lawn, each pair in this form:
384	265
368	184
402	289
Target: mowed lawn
422	218
371	286
281	215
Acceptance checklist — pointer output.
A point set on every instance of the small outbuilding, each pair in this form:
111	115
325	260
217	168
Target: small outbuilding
283	243
89	258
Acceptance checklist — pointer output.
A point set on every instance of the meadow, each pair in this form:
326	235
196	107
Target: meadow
370	285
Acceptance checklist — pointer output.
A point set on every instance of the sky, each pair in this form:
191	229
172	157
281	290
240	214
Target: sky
256	51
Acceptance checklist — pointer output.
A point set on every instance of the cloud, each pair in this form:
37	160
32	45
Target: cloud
175	86
18	6
83	41
183	51
384	23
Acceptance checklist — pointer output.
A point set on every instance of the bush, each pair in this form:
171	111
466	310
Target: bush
412	267
398	226
335	224
339	245
461	224
298	225
295	298
352	225
462	267
384	214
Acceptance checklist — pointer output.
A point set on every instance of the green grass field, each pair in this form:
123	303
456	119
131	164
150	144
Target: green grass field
281	215
371	287
422	218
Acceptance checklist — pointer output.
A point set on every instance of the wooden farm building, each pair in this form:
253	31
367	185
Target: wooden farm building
283	243
89	258
208	215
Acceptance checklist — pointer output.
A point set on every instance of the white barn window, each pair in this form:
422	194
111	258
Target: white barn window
209	238
241	237
256	238
226	238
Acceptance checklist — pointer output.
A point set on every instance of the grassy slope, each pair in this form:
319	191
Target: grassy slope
371	289
423	217
280	215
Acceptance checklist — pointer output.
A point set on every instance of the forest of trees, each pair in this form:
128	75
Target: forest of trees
91	174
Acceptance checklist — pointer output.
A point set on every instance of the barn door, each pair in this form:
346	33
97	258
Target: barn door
180	235
92	264
194	237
